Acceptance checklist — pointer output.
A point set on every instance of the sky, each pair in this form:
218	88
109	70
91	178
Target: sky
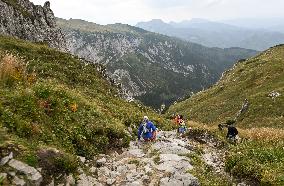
133	11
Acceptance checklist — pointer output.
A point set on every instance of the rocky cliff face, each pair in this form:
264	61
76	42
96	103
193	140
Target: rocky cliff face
23	19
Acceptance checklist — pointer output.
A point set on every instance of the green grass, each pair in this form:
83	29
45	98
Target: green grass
259	157
253	79
205	173
260	161
1	180
85	26
135	162
69	106
256	158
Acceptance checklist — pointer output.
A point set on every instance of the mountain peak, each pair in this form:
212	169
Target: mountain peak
157	21
30	22
153	22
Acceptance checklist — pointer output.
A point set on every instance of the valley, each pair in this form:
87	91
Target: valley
153	68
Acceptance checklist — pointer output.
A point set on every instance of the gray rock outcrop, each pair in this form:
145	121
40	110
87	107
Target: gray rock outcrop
32	174
24	20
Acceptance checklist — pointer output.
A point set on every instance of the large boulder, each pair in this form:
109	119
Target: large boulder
32	174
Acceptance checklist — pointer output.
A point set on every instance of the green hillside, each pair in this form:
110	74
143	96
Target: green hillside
50	99
258	157
255	79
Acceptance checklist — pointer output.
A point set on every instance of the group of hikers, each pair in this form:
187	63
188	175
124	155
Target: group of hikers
148	131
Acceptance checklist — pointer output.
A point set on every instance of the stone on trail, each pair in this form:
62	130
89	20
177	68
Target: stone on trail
148	169
12	173
170	182
173	162
187	179
32	174
170	148
93	169
136	153
6	159
110	181
3	175
19	182
113	174
179	180
173	166
82	159
85	180
101	162
135	183
131	166
122	169
70	180
171	157
103	171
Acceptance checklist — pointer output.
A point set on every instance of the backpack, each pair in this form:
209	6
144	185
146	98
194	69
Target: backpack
145	129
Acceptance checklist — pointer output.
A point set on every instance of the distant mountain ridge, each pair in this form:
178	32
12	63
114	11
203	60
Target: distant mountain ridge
216	34
154	68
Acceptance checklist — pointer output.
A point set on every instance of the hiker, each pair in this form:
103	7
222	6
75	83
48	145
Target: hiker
147	130
181	125
232	133
176	119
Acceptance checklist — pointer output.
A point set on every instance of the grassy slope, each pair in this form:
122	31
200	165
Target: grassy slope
259	157
253	79
84	26
69	106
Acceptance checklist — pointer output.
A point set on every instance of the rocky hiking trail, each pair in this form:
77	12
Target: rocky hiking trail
165	162
168	161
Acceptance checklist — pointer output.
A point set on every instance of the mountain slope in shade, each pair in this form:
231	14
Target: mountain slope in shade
259	79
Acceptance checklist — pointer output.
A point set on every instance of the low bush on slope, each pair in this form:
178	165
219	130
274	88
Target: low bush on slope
259	79
52	99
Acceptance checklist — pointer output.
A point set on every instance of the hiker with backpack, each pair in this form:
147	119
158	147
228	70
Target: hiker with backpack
181	125
147	130
232	133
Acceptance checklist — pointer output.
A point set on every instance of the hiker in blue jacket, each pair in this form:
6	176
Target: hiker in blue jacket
147	130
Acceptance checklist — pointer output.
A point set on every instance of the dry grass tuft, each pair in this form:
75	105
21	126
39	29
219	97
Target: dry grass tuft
13	70
264	134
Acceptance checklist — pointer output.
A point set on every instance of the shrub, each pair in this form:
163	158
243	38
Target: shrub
13	70
31	160
54	162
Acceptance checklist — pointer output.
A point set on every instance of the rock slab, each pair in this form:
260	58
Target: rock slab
32	174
